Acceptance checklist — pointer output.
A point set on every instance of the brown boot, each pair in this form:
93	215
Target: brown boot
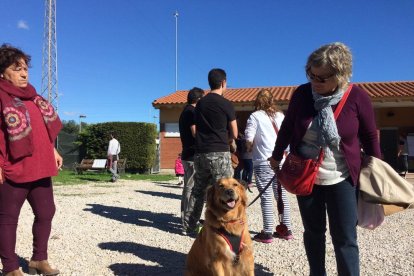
16	272
41	267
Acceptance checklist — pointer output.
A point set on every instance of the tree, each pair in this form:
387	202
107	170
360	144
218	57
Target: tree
70	126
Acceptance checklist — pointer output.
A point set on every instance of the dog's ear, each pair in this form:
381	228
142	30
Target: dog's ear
210	194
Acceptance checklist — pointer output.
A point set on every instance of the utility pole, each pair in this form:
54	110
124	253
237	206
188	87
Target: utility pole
176	50
49	61
81	116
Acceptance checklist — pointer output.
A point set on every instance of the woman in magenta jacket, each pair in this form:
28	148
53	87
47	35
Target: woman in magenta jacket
308	125
28	159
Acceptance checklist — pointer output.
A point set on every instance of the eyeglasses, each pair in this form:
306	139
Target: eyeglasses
312	77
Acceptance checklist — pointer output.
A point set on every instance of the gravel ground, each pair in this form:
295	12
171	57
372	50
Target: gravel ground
133	228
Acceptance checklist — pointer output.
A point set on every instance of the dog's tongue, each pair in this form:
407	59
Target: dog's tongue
231	204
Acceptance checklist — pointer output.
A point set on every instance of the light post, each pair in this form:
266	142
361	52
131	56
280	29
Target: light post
155	121
176	50
80	122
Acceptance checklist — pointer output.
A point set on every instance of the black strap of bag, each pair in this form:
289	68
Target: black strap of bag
280	206
212	129
209	126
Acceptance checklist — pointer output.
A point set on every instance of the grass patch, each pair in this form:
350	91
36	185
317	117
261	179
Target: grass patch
68	177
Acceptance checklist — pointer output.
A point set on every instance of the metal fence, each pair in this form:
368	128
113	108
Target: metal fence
156	166
68	149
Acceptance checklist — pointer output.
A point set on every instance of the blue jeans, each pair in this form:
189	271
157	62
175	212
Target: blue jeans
238	173
247	170
340	202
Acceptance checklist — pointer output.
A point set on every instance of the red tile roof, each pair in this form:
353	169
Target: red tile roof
379	91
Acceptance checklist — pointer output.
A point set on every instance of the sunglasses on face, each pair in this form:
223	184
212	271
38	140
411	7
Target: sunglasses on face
312	77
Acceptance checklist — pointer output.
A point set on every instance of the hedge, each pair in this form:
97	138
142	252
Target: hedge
137	143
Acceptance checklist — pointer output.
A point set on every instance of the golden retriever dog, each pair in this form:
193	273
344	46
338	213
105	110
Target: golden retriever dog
223	247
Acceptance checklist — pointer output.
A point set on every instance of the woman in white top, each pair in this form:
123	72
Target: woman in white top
261	133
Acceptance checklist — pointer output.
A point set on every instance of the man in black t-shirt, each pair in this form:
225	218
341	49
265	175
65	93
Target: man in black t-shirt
216	125
187	134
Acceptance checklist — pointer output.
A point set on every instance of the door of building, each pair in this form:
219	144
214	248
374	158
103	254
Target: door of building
389	145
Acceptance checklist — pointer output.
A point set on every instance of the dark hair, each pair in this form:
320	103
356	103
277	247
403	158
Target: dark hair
113	134
216	77
194	95
10	55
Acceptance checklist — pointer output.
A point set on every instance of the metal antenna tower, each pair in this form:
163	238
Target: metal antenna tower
49	52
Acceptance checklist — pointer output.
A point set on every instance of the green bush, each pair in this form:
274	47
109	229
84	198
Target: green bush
137	143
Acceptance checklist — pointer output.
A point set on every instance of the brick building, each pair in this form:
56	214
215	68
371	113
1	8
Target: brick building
393	103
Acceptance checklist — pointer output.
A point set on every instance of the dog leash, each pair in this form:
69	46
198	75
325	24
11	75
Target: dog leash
267	186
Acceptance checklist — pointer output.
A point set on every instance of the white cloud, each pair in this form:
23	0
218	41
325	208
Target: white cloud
22	25
70	113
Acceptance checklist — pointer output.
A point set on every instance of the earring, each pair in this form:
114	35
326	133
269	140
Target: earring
1	76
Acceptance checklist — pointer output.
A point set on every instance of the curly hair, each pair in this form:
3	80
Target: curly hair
264	101
335	56
11	55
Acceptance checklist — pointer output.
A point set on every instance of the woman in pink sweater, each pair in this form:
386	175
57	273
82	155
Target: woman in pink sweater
28	160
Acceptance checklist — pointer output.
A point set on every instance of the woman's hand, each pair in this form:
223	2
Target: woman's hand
274	164
233	146
59	159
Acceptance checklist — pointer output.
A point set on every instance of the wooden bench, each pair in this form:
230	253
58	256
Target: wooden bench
97	165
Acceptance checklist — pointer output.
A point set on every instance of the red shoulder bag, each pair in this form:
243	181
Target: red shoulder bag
297	174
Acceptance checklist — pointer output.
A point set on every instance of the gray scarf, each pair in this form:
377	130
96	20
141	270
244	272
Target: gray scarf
328	133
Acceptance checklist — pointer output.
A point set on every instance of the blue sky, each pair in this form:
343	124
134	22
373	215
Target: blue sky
116	57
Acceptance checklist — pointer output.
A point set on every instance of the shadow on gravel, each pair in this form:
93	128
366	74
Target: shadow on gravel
161	221
161	194
94	179
168	185
260	270
169	262
24	264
